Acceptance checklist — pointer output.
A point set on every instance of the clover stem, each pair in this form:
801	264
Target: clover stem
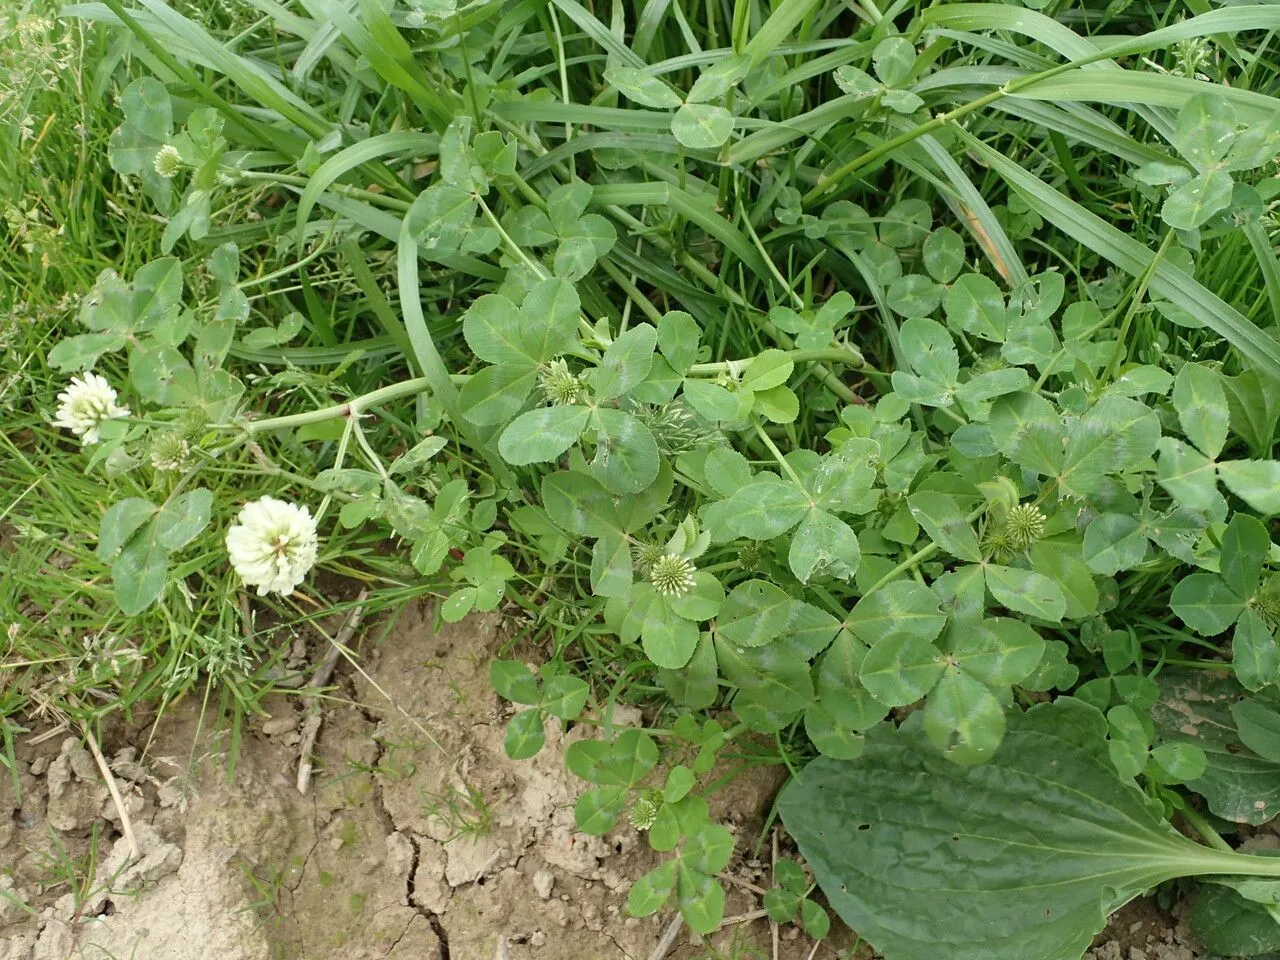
363	442
828	354
354	407
745	220
924	553
777	455
1134	302
338	458
539	271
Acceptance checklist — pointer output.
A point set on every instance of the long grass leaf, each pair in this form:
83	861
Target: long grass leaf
1119	87
1268	262
786	16
371	347
247	75
977	217
777	135
606	118
651	17
354	156
641	143
677	200
321	40
1085	125
389	64
598	32
1257	348
430	362
991	16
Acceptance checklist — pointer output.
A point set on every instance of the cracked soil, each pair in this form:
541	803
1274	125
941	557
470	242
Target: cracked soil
417	839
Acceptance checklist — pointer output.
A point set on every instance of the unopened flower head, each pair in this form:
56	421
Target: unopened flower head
273	545
170	452
1266	604
86	404
560	386
168	161
644	810
647	554
1025	525
672	575
749	555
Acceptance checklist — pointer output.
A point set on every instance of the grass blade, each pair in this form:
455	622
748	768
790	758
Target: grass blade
354	156
786	17
1259	349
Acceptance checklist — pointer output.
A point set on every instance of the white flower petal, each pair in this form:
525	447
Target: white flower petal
273	545
86	404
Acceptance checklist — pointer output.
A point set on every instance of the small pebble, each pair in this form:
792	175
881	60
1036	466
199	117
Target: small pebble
81	760
278	725
543	881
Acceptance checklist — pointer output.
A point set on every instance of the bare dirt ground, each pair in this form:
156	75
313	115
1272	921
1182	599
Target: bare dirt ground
1142	931
417	840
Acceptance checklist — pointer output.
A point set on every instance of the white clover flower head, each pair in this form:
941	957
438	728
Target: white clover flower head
672	575
86	404
273	545
168	161
170	452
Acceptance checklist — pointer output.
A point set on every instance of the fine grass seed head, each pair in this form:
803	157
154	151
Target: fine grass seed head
672	575
1194	56
675	427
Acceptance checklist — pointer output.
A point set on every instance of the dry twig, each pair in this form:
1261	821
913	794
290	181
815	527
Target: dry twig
668	938
773	924
126	825
311	727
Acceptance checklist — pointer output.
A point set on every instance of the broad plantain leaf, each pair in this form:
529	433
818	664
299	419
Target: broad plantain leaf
927	859
1196	708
